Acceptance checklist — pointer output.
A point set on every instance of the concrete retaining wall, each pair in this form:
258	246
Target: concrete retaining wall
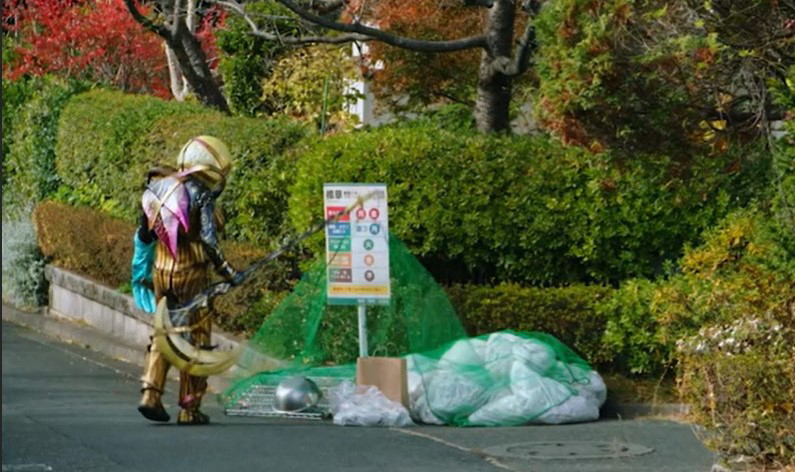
109	311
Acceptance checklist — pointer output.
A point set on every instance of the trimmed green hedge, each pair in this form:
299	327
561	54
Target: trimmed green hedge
473	208
107	141
568	313
484	209
30	126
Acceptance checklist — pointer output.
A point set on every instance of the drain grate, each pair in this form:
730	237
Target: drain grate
556	450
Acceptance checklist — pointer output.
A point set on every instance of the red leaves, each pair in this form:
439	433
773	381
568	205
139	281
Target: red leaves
95	40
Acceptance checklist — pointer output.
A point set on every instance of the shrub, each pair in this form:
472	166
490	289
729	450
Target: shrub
724	279
739	379
15	94
128	134
631	330
481	209
243	309
23	265
85	241
30	161
568	313
737	372
99	152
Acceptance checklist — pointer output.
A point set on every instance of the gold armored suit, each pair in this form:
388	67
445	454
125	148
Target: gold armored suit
179	211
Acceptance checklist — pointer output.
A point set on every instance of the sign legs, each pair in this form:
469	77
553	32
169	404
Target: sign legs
362	311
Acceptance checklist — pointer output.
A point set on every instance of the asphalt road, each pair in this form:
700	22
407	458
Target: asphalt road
66	408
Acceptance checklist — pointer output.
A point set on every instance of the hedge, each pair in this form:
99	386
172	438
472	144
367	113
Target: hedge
15	94
524	209
30	124
742	269
126	134
479	208
85	241
568	313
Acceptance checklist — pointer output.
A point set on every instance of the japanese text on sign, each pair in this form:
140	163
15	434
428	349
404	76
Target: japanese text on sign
357	244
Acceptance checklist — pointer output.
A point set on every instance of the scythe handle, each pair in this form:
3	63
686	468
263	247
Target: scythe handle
219	288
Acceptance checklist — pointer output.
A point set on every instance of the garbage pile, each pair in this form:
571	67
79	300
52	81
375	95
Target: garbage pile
500	379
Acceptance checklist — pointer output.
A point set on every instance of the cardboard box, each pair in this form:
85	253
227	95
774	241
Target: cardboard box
389	374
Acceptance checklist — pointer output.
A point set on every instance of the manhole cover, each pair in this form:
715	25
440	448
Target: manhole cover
568	450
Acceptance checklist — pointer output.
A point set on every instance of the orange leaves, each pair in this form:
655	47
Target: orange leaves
96	40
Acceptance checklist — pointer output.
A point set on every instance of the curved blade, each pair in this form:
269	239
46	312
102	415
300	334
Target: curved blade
202	356
188	358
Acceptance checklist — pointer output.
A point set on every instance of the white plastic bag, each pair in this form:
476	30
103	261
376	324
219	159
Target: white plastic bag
418	404
450	394
577	409
507	410
464	352
596	387
365	406
535	354
498	355
526	382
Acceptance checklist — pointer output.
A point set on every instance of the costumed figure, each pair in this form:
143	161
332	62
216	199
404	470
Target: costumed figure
174	245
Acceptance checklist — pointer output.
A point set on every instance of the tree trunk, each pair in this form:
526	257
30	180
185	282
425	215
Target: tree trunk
492	104
179	86
193	62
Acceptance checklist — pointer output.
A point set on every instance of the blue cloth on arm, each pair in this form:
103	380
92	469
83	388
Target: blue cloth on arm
142	262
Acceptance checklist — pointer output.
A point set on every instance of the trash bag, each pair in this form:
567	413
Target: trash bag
504	378
365	406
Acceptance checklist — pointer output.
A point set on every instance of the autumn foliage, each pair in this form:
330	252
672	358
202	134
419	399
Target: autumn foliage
95	40
424	77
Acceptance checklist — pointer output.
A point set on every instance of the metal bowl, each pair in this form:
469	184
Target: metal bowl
296	394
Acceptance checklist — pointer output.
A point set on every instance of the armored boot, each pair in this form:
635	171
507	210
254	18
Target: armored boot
153	383
191	391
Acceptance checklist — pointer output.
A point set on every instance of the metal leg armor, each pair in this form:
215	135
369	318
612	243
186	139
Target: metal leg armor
192	388
153	382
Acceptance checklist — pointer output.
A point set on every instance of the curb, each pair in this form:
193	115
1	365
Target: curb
78	333
615	410
71	332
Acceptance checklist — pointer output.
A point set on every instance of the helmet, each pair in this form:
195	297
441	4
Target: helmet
296	394
206	157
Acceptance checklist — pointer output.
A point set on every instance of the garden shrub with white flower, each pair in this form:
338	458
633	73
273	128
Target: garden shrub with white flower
739	378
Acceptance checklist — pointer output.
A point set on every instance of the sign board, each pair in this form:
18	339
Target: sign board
357	245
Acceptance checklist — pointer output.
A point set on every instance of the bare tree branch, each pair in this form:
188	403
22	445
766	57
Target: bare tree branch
524	50
282	39
175	17
147	23
326	6
478	3
388	38
295	40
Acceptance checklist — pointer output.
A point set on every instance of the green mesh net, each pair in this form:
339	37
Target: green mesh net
453	379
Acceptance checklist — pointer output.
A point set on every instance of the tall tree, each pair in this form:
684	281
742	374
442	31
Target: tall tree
170	21
502	58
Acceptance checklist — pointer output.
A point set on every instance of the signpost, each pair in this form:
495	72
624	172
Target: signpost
357	250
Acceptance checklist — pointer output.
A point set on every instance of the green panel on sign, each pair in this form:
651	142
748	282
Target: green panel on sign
339	245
